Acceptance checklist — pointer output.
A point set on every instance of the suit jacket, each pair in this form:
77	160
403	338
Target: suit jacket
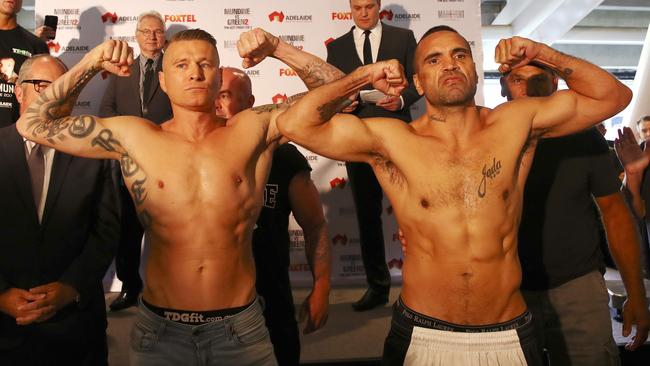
122	97
396	43
74	243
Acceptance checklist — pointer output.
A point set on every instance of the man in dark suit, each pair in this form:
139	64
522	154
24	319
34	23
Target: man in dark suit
370	41
137	95
59	235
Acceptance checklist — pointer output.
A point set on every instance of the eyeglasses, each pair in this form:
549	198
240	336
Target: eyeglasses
39	85
149	33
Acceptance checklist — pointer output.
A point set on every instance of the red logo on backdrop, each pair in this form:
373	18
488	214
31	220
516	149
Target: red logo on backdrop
340	239
180	18
53	46
279	98
328	41
337	182
112	17
395	263
277	16
386	14
342	16
288	72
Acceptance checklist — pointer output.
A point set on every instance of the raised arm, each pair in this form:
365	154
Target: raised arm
254	46
311	121
47	120
593	96
635	161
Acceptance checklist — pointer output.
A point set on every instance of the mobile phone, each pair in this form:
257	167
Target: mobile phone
51	21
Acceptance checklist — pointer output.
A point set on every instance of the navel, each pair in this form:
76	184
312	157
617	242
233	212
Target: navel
505	194
161	184
238	180
424	203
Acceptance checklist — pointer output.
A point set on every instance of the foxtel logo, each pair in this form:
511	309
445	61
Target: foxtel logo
342	16
180	18
340	239
288	72
277	16
338	182
279	98
54	47
112	17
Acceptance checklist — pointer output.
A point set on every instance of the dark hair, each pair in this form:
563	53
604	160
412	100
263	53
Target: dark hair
644	118
440	28
193	35
436	29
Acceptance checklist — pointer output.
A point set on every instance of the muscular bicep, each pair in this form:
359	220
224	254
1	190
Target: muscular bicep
84	135
566	112
345	137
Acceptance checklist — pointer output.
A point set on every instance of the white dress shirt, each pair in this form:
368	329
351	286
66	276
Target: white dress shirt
48	156
375	40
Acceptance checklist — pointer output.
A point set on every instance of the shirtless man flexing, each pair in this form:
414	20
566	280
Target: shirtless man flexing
197	185
455	180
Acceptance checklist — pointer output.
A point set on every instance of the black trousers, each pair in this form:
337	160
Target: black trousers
127	260
367	195
273	286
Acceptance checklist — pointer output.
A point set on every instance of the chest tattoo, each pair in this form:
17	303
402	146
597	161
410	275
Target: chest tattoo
488	173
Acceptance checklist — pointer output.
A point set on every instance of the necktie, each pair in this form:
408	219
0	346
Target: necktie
36	163
367	50
146	83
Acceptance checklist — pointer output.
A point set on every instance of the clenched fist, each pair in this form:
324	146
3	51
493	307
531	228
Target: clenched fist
112	56
388	77
515	52
255	45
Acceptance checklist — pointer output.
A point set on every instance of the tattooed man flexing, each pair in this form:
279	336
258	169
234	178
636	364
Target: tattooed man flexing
197	184
455	179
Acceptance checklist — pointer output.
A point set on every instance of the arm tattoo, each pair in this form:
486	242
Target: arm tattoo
318	73
49	117
266	108
329	109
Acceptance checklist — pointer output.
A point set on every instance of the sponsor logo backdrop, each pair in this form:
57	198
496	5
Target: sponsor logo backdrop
308	25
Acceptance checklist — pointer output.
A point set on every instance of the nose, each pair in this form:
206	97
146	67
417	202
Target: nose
449	64
196	72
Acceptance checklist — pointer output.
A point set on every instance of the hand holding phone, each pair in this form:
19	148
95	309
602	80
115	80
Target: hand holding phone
50	22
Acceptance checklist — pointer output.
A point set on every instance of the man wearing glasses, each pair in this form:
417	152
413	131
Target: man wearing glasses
137	95
59	235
